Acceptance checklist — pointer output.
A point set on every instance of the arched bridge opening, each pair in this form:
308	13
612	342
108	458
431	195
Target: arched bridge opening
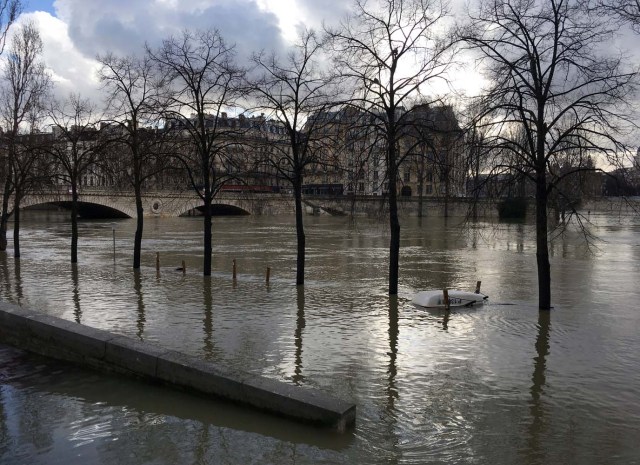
86	210
218	210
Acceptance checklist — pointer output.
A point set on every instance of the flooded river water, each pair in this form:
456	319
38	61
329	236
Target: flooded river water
500	384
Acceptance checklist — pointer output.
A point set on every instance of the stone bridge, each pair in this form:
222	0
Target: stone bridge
103	203
99	202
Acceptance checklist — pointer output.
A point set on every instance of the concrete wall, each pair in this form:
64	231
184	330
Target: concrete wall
105	351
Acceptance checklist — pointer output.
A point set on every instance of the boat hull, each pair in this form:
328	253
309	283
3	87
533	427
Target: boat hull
435	299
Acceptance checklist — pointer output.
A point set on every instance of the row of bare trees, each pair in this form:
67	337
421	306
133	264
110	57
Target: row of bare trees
554	93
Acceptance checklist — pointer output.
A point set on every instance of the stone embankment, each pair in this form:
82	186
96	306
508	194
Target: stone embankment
98	349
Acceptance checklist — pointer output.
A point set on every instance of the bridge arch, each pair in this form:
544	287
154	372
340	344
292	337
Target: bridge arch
155	203
96	207
219	208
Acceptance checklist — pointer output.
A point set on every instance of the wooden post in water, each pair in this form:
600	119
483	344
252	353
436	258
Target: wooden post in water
268	274
234	269
184	267
478	287
114	245
445	295
158	262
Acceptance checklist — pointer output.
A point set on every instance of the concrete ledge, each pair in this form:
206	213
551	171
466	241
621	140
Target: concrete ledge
65	340
129	355
199	375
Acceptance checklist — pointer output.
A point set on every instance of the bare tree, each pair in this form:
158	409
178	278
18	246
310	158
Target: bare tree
627	11
390	51
9	11
553	84
24	85
75	147
202	83
131	89
296	93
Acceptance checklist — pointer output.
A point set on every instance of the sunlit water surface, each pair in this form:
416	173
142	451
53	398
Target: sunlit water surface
500	384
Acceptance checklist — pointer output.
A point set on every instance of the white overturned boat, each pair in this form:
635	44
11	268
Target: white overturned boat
435	299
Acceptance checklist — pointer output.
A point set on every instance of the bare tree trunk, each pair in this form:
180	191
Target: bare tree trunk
3	231
208	236
300	237
16	225
74	224
4	216
542	242
394	222
137	242
4	220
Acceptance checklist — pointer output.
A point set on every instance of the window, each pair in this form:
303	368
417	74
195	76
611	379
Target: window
407	176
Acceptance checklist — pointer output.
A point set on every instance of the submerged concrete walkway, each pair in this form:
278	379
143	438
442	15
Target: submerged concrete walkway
65	340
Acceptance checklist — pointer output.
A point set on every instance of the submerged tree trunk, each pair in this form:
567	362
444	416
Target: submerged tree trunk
208	236
16	225
300	237
4	215
394	222
542	243
74	224
4	220
137	242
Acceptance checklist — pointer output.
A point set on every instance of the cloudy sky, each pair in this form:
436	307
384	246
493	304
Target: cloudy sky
75	31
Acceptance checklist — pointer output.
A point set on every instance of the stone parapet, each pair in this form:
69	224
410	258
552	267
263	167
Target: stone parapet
98	349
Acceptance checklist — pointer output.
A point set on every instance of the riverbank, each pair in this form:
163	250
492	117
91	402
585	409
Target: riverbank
102	350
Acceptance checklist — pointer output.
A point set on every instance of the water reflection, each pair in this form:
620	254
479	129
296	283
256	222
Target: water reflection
392	393
519	236
77	311
431	386
392	371
537	406
207	322
445	320
140	419
18	276
141	319
298	377
4	269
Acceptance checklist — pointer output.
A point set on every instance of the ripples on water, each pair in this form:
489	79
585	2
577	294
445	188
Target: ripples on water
497	384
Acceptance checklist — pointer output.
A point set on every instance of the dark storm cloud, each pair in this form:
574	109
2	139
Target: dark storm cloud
123	26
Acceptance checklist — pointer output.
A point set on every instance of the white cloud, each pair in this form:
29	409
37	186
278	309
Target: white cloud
83	29
71	70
